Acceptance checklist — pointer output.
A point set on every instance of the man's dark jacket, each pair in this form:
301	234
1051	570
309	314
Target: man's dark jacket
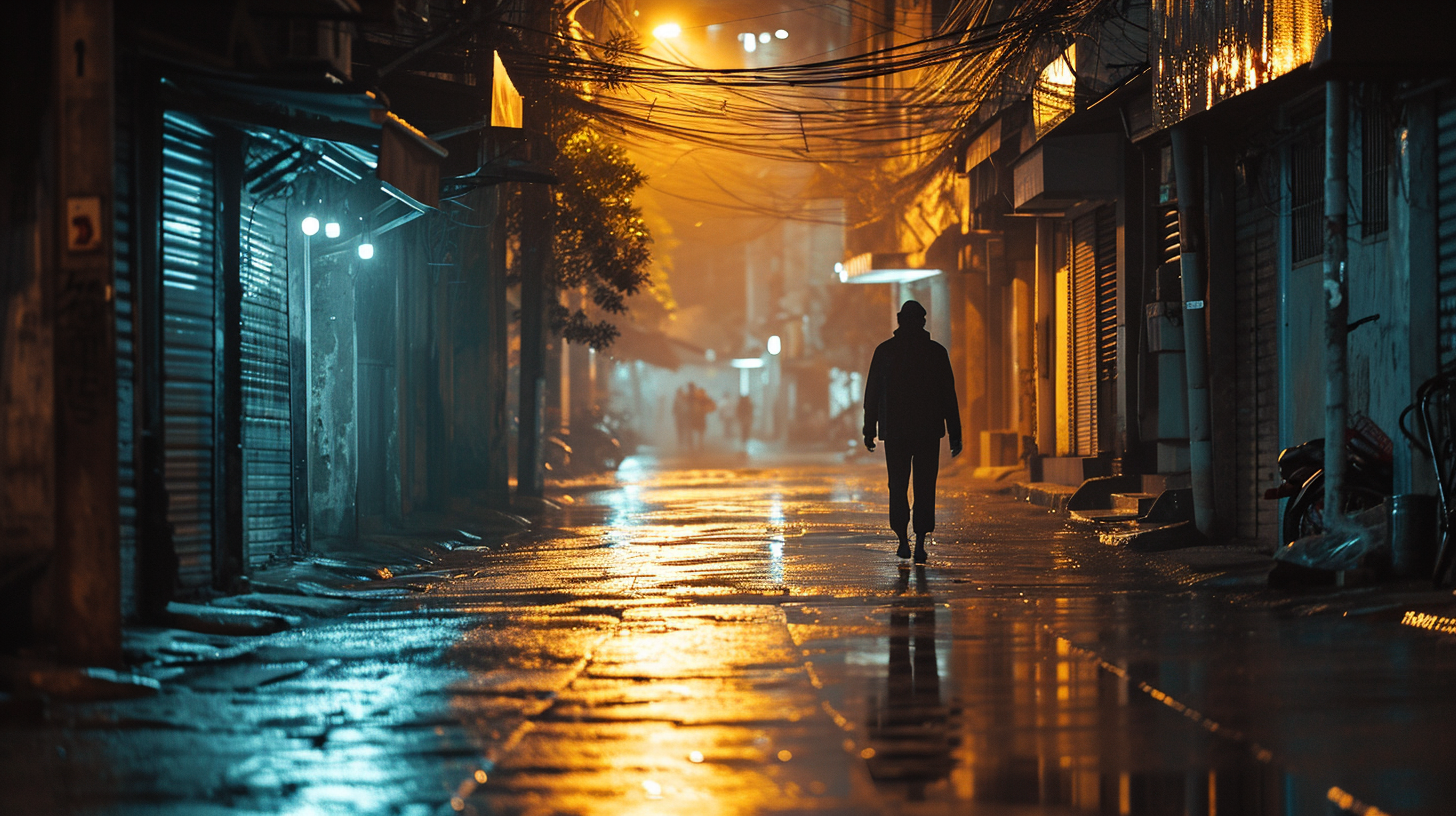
910	392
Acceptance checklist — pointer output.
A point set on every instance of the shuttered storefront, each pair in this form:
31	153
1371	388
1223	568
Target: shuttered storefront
1256	361
1093	320
1106	326
124	232
1083	303
189	349
1446	223
264	363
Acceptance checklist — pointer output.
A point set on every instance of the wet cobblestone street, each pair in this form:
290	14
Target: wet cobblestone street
733	641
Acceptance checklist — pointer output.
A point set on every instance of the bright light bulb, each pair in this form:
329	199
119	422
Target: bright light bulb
310	226
764	37
775	345
331	229
750	42
781	34
366	251
667	31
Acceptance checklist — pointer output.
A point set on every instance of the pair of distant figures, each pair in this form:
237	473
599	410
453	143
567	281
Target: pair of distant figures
690	408
910	405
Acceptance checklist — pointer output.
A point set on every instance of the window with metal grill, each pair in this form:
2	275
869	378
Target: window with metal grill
1307	195
1375	150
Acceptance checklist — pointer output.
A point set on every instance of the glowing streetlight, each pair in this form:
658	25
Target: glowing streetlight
310	226
749	41
765	37
366	251
667	31
781	34
331	229
775	345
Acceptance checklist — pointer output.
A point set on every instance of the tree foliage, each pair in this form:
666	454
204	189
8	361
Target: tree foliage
600	241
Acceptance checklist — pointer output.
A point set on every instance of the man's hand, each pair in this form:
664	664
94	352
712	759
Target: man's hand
955	449
869	443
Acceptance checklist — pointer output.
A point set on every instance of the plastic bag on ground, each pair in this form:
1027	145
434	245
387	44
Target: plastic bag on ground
1349	549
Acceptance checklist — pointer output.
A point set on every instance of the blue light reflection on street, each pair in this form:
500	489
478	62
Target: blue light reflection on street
776	539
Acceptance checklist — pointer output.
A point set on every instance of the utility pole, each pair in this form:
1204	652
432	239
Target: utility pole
1187	165
83	587
535	252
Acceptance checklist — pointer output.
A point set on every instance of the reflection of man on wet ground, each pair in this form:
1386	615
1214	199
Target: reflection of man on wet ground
910	403
911	729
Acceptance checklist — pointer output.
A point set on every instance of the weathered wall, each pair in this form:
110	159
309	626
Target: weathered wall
333	401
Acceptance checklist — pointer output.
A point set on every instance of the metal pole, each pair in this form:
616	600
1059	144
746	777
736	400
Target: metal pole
1337	309
1195	322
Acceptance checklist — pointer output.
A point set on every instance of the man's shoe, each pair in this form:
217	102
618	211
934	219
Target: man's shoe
904	551
920	555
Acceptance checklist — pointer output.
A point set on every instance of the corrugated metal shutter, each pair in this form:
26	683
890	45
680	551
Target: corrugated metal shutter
189	307
1084	334
124	234
1106	324
1256	362
267	426
1446	223
1106	294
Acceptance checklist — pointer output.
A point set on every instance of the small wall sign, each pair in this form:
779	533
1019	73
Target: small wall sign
83	224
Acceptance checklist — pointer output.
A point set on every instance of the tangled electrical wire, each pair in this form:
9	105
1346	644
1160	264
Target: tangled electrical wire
835	111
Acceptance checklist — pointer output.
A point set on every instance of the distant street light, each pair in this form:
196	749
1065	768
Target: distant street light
667	31
781	34
775	345
366	251
331	229
310	226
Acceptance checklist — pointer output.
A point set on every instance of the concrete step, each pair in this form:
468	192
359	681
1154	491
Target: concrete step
1136	503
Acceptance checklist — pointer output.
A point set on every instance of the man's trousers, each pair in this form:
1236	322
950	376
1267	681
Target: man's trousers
920	458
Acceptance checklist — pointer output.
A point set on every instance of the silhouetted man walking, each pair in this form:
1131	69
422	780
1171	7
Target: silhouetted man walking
910	403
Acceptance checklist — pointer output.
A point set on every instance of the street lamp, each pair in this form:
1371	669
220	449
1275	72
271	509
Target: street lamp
775	345
667	31
331	229
310	226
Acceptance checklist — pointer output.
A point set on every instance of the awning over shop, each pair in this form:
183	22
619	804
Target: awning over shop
881	267
404	159
1061	172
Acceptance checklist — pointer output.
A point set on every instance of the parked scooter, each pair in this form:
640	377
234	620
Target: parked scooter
1369	470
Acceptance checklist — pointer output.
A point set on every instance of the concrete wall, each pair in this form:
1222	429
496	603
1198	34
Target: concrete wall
333	401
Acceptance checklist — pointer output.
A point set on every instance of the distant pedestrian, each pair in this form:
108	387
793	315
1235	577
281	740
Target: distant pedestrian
745	418
682	415
699	406
910	404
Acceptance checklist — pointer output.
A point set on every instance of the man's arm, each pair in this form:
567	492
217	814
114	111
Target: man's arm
873	387
951	407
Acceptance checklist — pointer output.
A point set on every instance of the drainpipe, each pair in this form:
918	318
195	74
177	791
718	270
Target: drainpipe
1337	307
1195	321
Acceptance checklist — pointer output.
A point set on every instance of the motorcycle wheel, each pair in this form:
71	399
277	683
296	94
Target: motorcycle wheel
1306	511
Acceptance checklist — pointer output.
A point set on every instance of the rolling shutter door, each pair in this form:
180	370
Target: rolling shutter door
1106	324
266	426
1256	363
189	366
124	235
1084	334
1446	223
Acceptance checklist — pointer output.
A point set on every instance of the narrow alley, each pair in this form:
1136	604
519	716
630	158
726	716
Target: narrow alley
744	640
